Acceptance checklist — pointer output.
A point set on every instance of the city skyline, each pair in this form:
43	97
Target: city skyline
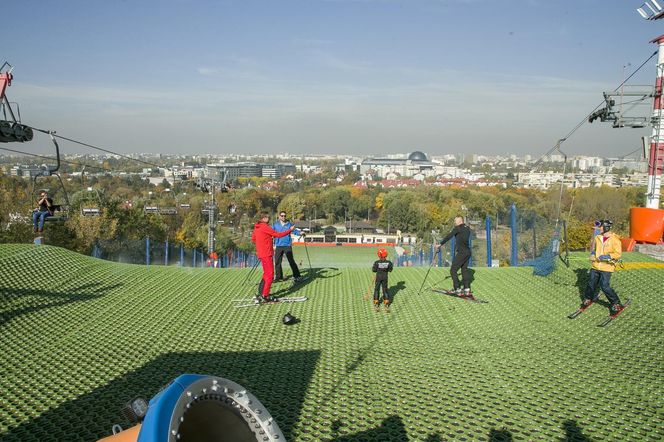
335	76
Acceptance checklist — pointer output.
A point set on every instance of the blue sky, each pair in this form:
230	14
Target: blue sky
325	76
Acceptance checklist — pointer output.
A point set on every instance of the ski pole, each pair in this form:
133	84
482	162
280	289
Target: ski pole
307	251
427	275
366	296
251	272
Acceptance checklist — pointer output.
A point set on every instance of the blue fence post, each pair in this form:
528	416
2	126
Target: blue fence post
193	262
514	256
181	255
166	254
147	251
440	257
487	225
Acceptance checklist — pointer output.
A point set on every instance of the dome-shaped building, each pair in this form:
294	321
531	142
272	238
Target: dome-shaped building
418	156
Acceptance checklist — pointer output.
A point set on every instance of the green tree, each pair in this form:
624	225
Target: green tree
294	205
334	202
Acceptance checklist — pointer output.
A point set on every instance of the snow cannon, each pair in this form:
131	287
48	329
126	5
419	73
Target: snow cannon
199	408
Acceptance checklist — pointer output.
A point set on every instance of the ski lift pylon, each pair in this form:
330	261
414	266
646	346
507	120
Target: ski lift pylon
11	129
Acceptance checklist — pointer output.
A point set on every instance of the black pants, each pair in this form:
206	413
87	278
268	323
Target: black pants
386	294
460	261
279	256
604	279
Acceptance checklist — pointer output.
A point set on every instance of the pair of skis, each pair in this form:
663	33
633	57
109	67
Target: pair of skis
377	309
253	303
470	297
606	321
285	300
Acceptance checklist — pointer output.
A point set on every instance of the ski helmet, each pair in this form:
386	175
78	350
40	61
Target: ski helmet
606	225
289	319
382	253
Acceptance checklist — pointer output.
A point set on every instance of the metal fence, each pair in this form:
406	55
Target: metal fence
148	252
517	240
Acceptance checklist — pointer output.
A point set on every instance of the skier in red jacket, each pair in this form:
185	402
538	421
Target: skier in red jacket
262	237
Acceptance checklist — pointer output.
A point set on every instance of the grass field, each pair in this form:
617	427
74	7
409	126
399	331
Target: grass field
80	337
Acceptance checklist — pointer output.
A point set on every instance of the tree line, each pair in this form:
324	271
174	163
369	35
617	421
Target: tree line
121	200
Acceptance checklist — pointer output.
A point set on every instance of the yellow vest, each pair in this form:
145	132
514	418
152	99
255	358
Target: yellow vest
611	246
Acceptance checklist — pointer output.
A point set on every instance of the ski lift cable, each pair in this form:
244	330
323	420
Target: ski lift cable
638	149
96	147
636	100
585	119
73	163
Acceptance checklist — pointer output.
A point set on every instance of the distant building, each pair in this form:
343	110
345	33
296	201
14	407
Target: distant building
25	171
416	163
234	171
360	227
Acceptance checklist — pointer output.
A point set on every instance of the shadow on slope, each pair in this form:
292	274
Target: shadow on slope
278	379
38	299
500	436
311	276
396	288
582	277
573	432
392	429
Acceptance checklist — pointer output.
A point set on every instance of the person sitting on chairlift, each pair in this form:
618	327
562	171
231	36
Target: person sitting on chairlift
44	210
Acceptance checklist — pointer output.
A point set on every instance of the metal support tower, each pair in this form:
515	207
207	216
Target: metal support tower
656	156
212	220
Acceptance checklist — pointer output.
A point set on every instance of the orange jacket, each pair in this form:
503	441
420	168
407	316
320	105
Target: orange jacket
262	237
610	246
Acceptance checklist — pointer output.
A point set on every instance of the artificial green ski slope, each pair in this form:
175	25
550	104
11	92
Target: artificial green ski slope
81	336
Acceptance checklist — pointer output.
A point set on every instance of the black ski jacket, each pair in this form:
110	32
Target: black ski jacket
381	267
462	238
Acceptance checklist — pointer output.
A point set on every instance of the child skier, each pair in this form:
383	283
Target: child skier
381	269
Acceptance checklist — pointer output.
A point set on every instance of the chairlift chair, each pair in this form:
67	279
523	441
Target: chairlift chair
171	209
91	205
61	211
168	210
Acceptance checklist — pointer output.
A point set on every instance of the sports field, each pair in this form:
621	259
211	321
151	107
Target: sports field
80	337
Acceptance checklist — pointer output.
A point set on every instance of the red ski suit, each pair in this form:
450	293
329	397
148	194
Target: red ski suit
262	237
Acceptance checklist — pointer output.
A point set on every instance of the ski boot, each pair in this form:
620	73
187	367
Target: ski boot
467	293
386	303
615	309
376	303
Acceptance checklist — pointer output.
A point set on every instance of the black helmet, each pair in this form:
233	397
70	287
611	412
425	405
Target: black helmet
606	224
289	319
